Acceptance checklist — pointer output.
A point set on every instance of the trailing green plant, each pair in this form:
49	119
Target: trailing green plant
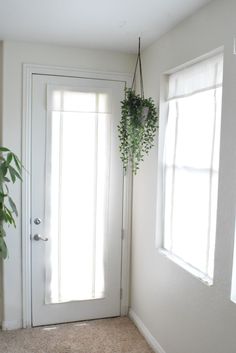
10	172
137	128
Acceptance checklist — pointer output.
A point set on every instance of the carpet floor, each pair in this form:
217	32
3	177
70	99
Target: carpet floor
118	335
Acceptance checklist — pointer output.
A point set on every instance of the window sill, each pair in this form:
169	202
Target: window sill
233	299
196	273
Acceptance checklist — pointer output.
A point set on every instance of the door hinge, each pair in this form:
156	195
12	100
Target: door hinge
121	293
122	234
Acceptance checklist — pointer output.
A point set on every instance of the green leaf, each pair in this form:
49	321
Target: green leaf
4	149
12	174
18	175
15	172
9	157
4	168
17	163
2	232
7	189
13	206
3	249
2	216
9	218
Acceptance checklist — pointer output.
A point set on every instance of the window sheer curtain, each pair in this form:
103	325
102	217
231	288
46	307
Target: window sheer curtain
76	193
191	163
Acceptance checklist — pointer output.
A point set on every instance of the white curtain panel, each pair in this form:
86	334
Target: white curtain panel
204	75
69	99
76	193
191	163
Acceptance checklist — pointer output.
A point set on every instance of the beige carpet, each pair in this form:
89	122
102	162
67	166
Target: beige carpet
118	335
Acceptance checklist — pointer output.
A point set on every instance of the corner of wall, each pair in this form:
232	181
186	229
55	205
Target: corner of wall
151	340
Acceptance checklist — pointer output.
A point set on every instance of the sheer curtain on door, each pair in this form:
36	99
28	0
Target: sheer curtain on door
77	186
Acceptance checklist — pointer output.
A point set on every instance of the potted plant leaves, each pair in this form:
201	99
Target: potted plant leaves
138	124
10	172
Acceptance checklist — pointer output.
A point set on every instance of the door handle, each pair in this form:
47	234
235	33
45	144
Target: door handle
38	237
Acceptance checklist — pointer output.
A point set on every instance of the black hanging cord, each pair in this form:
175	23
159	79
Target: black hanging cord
138	61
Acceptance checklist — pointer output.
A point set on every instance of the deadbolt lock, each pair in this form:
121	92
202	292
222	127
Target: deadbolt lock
37	221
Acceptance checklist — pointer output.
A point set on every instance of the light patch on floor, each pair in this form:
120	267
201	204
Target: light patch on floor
118	335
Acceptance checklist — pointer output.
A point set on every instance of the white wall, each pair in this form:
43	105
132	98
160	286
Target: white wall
15	54
1	79
183	314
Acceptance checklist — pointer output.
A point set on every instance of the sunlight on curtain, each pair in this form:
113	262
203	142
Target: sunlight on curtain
191	163
77	184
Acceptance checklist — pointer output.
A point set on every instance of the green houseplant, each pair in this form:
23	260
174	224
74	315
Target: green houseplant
10	172
137	128
138	125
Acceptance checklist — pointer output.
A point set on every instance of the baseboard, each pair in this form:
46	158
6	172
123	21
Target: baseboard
145	332
11	325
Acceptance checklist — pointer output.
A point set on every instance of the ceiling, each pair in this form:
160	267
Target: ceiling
103	24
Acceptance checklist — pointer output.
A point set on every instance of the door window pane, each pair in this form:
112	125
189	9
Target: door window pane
77	184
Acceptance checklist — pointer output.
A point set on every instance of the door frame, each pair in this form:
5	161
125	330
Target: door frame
28	71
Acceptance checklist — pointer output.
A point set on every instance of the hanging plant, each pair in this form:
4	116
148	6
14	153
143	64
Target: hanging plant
10	171
138	125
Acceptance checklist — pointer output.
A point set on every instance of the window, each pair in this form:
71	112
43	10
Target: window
190	163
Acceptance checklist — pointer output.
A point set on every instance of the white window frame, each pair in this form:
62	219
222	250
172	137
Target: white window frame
164	104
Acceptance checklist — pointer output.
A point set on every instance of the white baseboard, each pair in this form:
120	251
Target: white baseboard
11	325
145	332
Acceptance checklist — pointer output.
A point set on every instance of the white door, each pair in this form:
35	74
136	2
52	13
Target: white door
77	183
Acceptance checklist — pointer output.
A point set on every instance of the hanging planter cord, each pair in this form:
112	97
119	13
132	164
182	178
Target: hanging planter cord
138	61
139	122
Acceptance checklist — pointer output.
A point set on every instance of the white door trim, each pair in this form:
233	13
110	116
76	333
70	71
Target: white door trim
28	71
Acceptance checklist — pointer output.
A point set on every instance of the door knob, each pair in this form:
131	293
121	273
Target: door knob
37	221
38	237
